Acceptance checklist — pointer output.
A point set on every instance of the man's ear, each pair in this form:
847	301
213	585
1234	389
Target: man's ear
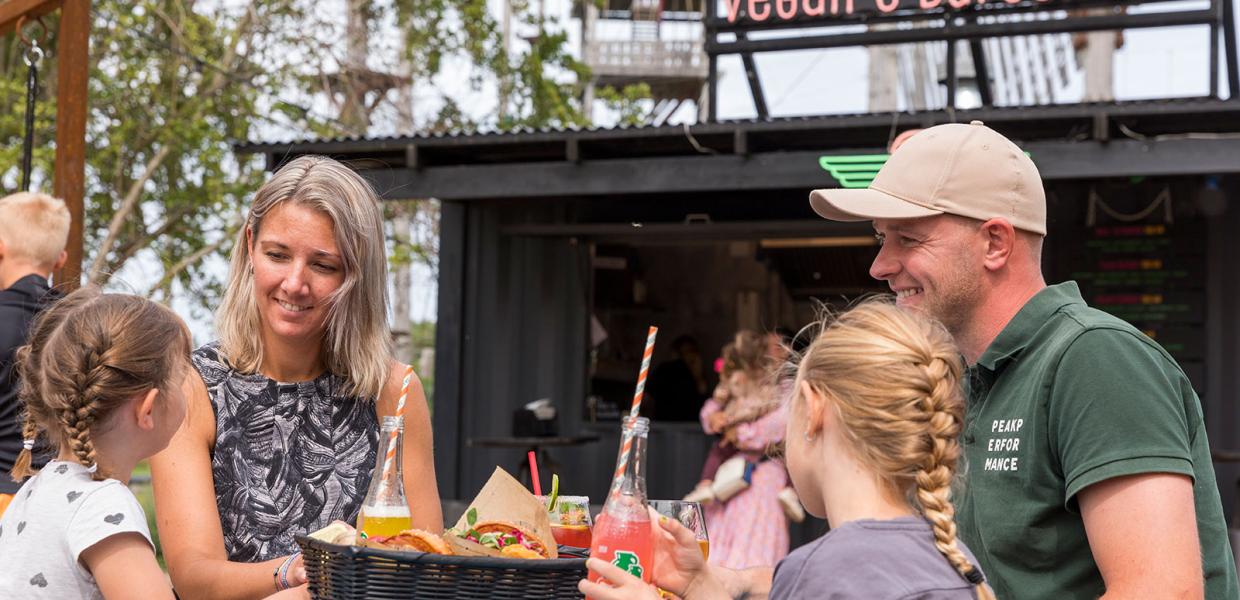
144	410
2	249
1000	239
61	260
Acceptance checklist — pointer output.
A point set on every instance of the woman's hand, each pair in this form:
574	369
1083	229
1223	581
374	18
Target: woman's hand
616	583
717	422
678	560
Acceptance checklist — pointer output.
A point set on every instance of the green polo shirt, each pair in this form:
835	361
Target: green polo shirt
1065	397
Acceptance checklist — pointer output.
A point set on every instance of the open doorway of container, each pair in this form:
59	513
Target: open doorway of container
700	293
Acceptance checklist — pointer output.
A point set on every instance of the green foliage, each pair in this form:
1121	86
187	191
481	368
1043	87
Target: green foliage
632	103
13	73
546	84
421	336
173	84
171	88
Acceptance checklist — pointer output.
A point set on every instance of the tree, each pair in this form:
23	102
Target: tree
171	88
632	103
175	83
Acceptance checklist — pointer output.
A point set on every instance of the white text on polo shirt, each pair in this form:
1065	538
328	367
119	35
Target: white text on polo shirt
1004	444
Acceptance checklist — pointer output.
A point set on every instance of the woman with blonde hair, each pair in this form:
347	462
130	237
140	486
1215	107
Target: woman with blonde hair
284	409
872	447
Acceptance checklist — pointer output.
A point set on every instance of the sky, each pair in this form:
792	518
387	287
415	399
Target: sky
1153	63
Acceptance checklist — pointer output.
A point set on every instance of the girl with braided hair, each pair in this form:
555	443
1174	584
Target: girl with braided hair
871	446
100	381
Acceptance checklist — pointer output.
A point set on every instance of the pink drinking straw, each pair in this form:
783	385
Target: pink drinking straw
534	474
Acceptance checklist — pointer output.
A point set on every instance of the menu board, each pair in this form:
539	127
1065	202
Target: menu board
1153	276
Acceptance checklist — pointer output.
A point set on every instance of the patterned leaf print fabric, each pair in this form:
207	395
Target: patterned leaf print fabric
289	458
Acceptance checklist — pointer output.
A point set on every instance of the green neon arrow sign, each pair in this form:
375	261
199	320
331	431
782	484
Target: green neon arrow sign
855	171
858	170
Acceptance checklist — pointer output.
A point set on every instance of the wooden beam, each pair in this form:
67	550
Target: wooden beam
69	181
12	10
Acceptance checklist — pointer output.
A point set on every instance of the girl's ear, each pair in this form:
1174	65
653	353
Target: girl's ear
815	406
144	410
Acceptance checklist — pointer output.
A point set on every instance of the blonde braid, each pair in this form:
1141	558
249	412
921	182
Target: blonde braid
893	380
934	478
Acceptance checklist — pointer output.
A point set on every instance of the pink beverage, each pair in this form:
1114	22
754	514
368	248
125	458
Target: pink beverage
622	533
625	541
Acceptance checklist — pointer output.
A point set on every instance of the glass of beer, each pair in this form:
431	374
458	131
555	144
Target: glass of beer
688	514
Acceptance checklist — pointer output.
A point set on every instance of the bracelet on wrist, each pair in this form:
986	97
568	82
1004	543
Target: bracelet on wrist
281	572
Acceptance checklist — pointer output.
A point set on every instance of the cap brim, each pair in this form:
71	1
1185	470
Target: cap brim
864	205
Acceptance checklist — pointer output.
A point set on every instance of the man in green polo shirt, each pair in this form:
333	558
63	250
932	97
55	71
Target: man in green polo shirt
1088	469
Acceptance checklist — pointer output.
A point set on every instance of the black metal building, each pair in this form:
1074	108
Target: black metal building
550	237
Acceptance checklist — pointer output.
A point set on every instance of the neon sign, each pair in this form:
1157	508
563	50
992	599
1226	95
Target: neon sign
853	171
856	170
759	11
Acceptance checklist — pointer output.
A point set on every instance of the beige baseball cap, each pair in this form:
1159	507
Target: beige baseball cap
967	170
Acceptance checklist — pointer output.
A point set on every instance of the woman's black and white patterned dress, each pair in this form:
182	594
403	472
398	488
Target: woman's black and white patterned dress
289	458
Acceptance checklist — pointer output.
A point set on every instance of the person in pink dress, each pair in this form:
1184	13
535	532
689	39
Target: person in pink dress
749	529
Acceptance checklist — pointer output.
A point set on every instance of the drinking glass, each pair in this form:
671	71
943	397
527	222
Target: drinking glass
570	521
688	514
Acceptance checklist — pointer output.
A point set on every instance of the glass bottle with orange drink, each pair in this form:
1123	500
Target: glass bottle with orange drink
385	511
622	533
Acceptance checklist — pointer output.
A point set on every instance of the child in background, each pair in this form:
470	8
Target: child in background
33	230
741	396
100	379
748	390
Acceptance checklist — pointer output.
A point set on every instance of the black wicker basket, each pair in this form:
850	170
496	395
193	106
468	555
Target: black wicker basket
351	572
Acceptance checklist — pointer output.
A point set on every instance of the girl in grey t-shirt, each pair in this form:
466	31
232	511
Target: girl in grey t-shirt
872	447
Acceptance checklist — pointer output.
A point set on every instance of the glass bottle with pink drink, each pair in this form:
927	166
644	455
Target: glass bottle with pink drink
622	533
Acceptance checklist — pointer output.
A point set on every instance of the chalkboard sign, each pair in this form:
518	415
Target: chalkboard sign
1150	272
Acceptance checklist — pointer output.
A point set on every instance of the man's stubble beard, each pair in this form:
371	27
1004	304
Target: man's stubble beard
958	297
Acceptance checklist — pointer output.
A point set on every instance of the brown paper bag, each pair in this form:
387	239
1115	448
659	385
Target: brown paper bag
463	547
505	499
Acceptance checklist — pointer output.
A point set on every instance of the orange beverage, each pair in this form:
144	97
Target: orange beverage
577	536
705	545
624	540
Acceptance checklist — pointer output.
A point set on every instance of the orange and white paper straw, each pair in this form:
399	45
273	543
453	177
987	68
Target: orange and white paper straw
389	461
637	399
